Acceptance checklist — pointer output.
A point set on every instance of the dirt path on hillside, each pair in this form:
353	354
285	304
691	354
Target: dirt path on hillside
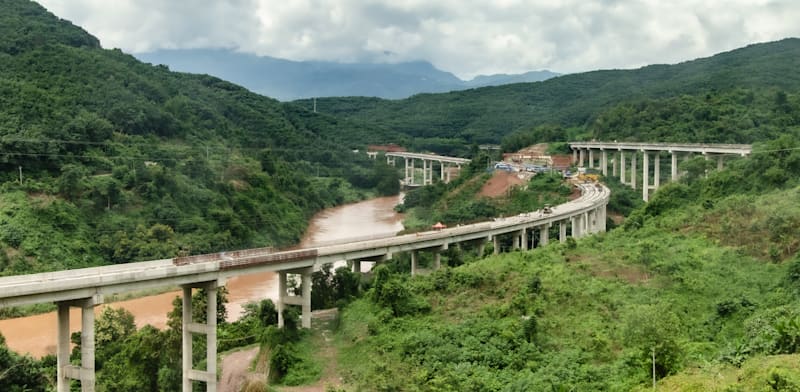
322	324
236	369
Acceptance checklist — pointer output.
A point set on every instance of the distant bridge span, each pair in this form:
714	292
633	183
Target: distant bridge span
427	165
580	150
86	288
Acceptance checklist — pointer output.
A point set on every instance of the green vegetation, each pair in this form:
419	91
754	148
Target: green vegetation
586	318
575	102
108	160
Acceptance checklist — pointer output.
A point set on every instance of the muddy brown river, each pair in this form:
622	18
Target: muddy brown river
36	335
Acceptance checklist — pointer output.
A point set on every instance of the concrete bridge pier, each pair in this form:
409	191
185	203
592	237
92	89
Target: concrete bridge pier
645	174
482	246
544	234
674	173
409	171
85	372
657	170
633	171
303	300
496	245
615	165
523	239
413	262
576	226
591	158
580	159
190	374
604	162
562	231
622	167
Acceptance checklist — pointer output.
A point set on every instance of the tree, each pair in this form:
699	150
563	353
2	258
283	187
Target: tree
655	329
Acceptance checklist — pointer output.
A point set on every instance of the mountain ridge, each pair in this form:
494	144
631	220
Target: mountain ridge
485	115
290	80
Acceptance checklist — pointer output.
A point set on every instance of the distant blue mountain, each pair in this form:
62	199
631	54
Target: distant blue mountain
289	80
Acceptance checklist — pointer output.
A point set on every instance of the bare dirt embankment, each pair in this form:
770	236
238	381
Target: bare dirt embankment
501	182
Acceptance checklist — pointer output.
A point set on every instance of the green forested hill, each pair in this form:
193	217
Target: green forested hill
487	114
106	159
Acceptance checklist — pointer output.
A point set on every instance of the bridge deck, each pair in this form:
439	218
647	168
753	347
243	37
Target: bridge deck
86	282
740	149
428	157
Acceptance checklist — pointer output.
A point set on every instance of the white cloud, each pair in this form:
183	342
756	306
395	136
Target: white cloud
466	37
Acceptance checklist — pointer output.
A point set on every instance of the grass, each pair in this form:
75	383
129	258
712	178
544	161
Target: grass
584	313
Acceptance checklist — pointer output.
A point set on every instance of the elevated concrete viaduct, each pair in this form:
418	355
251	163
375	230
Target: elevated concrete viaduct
86	288
427	165
583	150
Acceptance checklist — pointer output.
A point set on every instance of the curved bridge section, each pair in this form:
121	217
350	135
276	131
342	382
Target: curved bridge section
86	288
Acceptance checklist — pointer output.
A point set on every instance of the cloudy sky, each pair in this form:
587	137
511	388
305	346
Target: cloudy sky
466	37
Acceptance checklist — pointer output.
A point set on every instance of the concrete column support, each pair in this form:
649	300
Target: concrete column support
576	226
604	217
580	157
356	266
633	170
281	297
306	306
211	337
657	170
544	234
413	262
62	352
562	231
614	163
574	156
496	244
85	372
189	327
587	224
604	162
645	175
482	246
674	174
424	172
523	236
437	260
591	158
186	350
720	164
622	167
442	169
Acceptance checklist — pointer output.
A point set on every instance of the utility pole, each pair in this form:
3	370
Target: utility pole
654	368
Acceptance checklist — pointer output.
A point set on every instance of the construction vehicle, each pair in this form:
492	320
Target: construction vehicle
588	177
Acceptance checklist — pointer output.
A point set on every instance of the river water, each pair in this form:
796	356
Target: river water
36	335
